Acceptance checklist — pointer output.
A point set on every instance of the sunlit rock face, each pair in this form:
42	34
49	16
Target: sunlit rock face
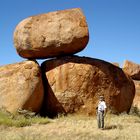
21	87
73	85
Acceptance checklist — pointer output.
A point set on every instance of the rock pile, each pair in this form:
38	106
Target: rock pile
65	83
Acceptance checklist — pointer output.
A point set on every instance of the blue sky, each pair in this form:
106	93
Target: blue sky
114	26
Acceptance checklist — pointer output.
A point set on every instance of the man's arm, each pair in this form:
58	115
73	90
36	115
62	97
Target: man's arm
96	110
105	109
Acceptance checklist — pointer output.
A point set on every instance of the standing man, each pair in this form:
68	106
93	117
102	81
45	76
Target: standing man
101	112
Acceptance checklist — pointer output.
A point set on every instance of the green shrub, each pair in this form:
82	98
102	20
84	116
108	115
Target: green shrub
135	111
20	120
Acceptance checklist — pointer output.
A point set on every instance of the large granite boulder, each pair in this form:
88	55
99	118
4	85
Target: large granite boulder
132	69
21	87
52	34
73	85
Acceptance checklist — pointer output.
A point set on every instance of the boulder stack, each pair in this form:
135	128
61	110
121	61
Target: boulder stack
66	83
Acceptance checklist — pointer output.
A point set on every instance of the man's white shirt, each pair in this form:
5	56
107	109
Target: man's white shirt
101	106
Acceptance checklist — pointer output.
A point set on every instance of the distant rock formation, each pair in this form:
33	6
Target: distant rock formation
116	64
132	69
136	101
52	34
21	87
73	85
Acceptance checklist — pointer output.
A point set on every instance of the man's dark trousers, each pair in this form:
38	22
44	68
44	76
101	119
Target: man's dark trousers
100	119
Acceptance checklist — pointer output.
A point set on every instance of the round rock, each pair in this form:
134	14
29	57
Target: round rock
52	34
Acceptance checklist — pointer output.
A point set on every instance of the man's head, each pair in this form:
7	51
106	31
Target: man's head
101	98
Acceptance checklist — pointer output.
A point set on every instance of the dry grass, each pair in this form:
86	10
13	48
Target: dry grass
123	127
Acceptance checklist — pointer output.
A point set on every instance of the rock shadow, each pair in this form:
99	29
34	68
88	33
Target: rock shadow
110	127
50	107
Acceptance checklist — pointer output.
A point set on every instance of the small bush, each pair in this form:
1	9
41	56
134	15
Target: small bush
20	120
135	111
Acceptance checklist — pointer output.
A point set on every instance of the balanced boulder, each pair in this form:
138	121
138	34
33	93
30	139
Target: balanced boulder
73	85
52	34
21	87
132	69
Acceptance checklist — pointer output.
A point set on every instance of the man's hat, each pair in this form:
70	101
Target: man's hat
101	96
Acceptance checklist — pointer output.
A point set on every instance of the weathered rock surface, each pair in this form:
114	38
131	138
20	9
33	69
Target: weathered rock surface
132	69
73	85
136	101
21	87
52	34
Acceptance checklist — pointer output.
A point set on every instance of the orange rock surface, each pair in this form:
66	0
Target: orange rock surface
21	87
73	85
52	34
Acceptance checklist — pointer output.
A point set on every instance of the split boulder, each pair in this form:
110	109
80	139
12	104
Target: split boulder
73	85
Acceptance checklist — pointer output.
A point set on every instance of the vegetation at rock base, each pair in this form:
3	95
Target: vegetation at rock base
17	120
135	111
71	127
